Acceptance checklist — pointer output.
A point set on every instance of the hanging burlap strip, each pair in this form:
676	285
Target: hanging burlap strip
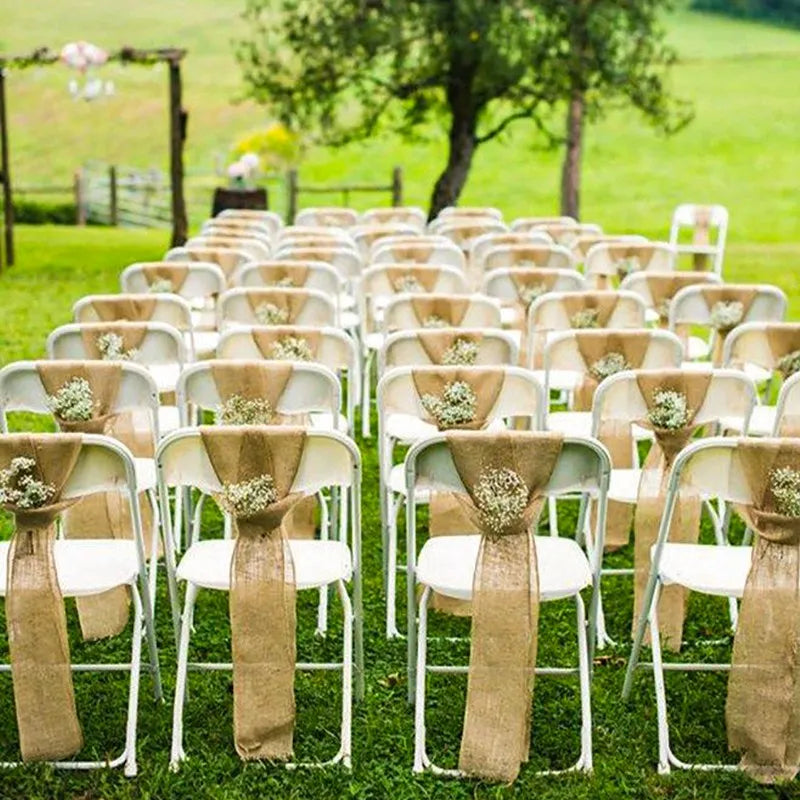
102	515
176	274
635	257
450	309
127	307
47	718
763	706
783	338
260	380
262	596
526	279
436	343
426	276
289	300
727	293
131	333
701	236
522	256
411	253
227	260
294	274
613	433
266	337
663	286
446	513
652	496
505	604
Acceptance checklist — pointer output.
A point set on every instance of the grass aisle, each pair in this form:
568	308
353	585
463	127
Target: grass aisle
55	268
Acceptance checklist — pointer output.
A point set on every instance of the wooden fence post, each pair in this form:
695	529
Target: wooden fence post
293	189
80	203
397	186
113	206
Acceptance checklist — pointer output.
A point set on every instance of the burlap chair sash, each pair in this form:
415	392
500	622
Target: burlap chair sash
613	433
436	343
292	302
451	310
227	260
663	286
505	602
131	333
129	307
267	337
44	697
176	274
763	705
727	293
620	259
701	235
289	274
782	339
651	499
262	594
525	278
411	252
426	276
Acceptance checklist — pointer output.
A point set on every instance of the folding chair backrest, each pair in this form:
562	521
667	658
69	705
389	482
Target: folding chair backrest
407	215
323	216
752	343
638	282
731	395
269	218
566	233
365	236
606	263
216	229
344	260
548	312
521	395
329	459
465	232
535	223
302	274
310	388
376	281
489	241
689	305
500	283
168	308
482	312
21	389
255	248
162	344
202	279
227	259
242	227
693	215
404	349
466	212
423	251
582	244
542	256
238	306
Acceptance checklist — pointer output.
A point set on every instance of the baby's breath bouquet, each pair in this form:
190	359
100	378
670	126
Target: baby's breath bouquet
670	410
238	410
409	284
270	314
19	487
73	402
292	348
532	292
501	497
726	315
585	318
625	266
609	364
286	282
456	406
248	498
434	321
461	352
161	286
112	348
789	364
784	483
663	309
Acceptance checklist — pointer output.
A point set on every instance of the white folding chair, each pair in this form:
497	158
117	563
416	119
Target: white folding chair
709	467
313	236
417	250
407	215
238	306
489	241
330	461
365	236
401	422
565	233
703	222
465	232
459	213
254	247
268	218
87	567
582	244
323	216
228	259
446	564
525	224
218	226
607	263
539	255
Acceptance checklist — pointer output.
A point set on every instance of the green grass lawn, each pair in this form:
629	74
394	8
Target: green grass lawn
56	266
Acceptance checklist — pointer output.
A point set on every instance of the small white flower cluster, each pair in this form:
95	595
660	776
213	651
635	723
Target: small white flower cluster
111	347
238	410
585	318
408	283
292	348
784	483
286	282
455	407
501	497
663	309
434	321
625	266
670	410
19	488
249	497
462	352
725	316
528	294
270	314
73	402
789	364
161	286
609	364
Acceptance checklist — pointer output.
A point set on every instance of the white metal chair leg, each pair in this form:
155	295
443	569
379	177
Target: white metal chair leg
660	688
366	395
347	675
177	753
391	571
324	535
133	696
584	676
419	694
552	515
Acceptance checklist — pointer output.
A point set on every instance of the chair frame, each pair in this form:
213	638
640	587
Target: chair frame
717	250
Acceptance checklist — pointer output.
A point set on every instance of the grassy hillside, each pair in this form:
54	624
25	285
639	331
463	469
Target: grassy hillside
739	151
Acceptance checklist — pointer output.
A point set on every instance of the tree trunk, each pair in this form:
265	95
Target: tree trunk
571	167
462	147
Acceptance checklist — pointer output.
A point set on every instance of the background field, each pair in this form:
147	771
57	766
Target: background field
741	151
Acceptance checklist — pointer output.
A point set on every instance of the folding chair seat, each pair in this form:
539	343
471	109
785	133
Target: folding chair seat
606	264
402	420
447	565
406	215
85	568
328	461
708	229
242	306
323	216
